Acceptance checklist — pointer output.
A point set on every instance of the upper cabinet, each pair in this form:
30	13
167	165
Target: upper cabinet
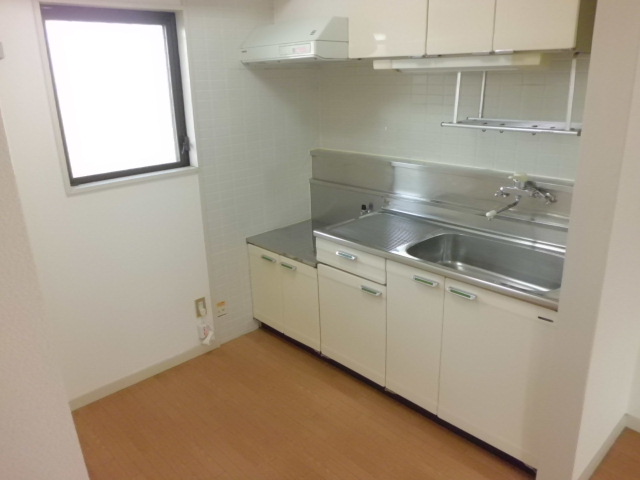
543	25
380	28
460	26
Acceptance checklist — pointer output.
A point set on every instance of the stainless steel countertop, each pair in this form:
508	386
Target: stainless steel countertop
294	241
388	234
382	234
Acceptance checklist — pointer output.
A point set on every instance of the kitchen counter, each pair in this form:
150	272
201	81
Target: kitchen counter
388	235
294	241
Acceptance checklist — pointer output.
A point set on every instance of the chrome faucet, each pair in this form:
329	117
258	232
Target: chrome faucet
522	187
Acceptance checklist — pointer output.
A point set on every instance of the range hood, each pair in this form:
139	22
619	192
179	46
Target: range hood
310	40
514	61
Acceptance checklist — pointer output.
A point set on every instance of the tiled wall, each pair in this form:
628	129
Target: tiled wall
254	131
390	113
255	127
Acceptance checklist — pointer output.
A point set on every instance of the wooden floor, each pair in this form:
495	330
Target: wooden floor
260	408
623	460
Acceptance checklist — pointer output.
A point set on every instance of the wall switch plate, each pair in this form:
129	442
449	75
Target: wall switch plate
201	307
221	308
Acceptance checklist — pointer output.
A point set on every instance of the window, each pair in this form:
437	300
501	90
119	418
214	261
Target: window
116	76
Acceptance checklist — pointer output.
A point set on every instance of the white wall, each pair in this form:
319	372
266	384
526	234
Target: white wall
37	438
634	401
597	334
255	128
617	338
295	9
119	268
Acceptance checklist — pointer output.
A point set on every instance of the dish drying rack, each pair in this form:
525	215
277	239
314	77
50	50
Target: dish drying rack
527	126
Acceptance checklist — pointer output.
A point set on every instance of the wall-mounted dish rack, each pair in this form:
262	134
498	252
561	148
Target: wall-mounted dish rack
528	126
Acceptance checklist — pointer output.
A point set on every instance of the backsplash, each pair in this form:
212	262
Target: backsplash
389	113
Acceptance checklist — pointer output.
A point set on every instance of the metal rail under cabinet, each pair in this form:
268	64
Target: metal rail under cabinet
505	125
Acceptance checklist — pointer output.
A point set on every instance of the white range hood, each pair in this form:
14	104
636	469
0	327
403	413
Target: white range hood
318	39
514	61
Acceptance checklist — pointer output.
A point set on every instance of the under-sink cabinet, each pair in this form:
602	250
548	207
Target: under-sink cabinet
414	330
353	322
492	367
285	295
353	314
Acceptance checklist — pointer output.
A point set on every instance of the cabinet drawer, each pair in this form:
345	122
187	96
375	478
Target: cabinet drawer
351	260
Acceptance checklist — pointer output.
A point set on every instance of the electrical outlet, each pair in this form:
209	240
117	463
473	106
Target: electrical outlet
201	307
221	308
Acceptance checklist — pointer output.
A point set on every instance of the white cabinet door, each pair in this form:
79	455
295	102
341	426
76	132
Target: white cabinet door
266	288
300	317
493	353
536	25
414	330
380	28
460	26
353	322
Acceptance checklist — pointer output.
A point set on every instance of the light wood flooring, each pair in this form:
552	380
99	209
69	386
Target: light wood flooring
261	408
623	460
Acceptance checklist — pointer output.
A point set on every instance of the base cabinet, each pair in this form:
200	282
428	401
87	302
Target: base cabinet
285	295
473	357
353	322
414	330
493	353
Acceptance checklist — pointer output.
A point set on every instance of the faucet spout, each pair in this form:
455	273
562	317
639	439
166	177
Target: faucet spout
493	213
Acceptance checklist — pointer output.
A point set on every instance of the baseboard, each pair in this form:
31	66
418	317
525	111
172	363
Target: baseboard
633	422
604	449
134	378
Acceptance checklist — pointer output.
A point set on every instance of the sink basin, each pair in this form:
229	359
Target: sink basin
504	263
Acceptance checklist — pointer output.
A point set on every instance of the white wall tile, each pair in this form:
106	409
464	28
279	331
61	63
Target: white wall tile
399	114
254	130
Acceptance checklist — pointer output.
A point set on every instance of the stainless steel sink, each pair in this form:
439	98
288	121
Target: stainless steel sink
509	264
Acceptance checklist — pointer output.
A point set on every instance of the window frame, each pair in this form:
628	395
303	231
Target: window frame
118	15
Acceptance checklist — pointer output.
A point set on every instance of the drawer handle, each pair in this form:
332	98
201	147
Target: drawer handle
348	256
268	259
425	281
288	266
545	319
370	291
463	294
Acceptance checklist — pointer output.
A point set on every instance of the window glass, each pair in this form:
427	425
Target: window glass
115	84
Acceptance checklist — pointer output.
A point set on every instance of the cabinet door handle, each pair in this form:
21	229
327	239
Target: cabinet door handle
268	259
370	291
463	294
288	266
348	256
425	281
545	319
